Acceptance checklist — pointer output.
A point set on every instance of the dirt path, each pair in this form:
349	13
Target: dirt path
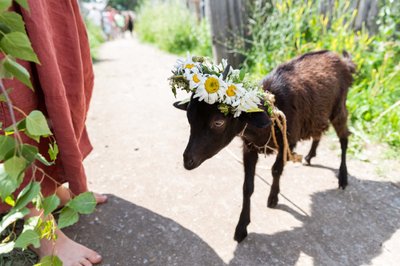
160	214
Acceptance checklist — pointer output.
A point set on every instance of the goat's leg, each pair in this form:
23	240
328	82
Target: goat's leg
313	151
250	158
342	131
277	170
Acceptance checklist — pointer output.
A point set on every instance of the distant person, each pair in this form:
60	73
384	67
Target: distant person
63	83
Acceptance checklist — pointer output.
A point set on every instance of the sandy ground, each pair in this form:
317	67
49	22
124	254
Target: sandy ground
160	214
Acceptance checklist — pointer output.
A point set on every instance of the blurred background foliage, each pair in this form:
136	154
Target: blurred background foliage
172	27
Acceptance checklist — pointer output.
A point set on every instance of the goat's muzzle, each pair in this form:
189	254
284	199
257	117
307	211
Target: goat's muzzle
189	162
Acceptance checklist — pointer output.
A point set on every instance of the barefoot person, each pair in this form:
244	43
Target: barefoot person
63	85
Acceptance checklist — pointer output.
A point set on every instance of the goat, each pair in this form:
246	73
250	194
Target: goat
310	90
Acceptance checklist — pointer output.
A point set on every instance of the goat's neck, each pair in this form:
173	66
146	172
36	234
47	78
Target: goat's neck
258	138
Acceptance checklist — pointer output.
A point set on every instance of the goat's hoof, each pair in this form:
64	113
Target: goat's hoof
342	184
272	201
240	235
342	179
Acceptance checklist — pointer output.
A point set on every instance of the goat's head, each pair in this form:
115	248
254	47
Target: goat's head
211	130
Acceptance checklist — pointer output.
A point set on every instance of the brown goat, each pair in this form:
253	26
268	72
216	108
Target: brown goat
310	90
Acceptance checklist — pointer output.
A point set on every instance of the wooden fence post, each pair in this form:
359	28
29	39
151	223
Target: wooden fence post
228	21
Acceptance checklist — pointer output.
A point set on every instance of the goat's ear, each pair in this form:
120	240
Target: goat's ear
258	119
181	105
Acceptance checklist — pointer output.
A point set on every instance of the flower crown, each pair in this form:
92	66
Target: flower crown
219	84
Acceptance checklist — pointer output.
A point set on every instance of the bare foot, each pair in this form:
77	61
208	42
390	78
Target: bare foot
65	195
68	251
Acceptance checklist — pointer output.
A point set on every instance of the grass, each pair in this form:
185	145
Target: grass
173	28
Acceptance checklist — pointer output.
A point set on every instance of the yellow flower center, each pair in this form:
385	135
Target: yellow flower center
195	78
189	66
231	91
211	85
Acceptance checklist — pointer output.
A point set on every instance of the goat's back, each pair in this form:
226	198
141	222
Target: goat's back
311	90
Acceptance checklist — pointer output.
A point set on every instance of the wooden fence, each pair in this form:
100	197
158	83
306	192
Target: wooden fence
228	19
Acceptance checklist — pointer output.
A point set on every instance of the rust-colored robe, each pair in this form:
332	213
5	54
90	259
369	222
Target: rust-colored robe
63	87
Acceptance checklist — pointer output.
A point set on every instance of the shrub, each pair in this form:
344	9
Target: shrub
173	28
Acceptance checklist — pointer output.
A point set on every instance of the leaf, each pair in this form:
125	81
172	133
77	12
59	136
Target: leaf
10	201
6	144
15	166
18	71
13	21
7	184
43	160
12	217
67	217
36	124
4	74
242	74
84	203
23	3
27	194
18	45
26	238
29	152
255	110
50	203
5	5
53	151
49	261
6	248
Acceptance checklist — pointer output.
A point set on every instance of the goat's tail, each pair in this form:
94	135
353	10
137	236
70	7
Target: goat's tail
349	63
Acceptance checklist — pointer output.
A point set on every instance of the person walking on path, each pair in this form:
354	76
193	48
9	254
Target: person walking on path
63	83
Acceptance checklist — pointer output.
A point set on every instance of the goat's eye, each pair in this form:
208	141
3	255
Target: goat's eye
219	123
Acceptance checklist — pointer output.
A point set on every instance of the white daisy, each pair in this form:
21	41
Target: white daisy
211	89
185	64
233	92
194	78
249	100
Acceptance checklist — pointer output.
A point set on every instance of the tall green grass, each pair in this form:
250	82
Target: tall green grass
289	28
96	38
173	28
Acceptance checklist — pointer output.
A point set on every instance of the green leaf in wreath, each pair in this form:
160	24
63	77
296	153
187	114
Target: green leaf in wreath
84	203
68	216
31	191
26	238
5	4
18	71
50	203
50	261
36	124
17	44
13	21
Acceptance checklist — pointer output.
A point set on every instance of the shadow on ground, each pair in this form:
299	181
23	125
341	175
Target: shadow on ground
345	227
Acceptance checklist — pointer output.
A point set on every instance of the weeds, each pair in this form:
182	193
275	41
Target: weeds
286	29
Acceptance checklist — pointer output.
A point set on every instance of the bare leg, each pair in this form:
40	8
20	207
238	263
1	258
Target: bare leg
313	151
70	252
250	158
